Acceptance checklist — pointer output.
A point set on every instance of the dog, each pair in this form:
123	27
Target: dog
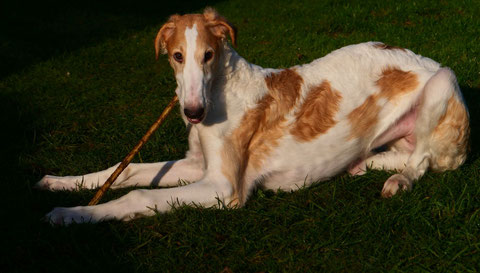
367	105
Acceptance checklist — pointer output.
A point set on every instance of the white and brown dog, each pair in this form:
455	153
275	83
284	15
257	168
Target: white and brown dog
285	128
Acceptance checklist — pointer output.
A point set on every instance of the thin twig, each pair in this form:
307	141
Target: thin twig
132	153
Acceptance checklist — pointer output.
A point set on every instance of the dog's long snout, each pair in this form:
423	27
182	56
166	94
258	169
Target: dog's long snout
194	114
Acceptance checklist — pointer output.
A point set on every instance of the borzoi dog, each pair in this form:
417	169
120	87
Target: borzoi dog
286	128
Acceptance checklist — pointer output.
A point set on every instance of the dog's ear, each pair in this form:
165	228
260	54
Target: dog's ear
163	34
219	26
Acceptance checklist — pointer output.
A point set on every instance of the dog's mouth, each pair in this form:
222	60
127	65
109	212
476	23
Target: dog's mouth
194	115
195	120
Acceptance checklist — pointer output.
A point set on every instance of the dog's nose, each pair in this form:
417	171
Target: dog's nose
195	113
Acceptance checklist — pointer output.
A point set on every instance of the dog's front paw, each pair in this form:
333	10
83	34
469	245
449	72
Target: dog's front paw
394	183
67	216
56	183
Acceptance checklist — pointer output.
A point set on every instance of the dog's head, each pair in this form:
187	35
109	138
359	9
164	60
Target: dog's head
194	45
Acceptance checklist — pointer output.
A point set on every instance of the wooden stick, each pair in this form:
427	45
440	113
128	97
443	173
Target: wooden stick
132	153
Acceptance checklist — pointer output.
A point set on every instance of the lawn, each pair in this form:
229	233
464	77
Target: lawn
79	85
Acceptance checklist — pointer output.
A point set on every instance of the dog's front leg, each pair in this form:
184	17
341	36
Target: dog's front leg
166	174
139	203
162	174
212	189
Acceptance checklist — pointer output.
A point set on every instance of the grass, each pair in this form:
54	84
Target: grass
79	86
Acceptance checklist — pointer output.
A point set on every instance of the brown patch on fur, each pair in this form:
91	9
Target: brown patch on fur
451	136
316	116
260	129
364	117
388	47
284	89
394	82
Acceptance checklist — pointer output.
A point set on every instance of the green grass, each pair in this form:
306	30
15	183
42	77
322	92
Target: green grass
79	86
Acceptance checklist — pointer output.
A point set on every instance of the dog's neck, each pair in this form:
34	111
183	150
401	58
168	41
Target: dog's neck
228	64
236	74
237	85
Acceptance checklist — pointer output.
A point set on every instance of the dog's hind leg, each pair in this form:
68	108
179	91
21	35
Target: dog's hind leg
389	161
434	106
168	173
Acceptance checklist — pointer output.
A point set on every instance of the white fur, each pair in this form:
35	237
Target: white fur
192	74
236	88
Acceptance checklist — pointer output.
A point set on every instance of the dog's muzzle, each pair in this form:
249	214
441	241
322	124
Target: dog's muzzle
194	115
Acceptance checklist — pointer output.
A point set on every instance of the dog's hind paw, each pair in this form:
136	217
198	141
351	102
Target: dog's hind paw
394	183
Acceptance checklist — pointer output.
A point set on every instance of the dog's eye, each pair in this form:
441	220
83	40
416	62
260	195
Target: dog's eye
178	57
208	56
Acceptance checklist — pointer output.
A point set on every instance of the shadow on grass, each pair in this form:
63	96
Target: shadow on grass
30	244
33	31
472	97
